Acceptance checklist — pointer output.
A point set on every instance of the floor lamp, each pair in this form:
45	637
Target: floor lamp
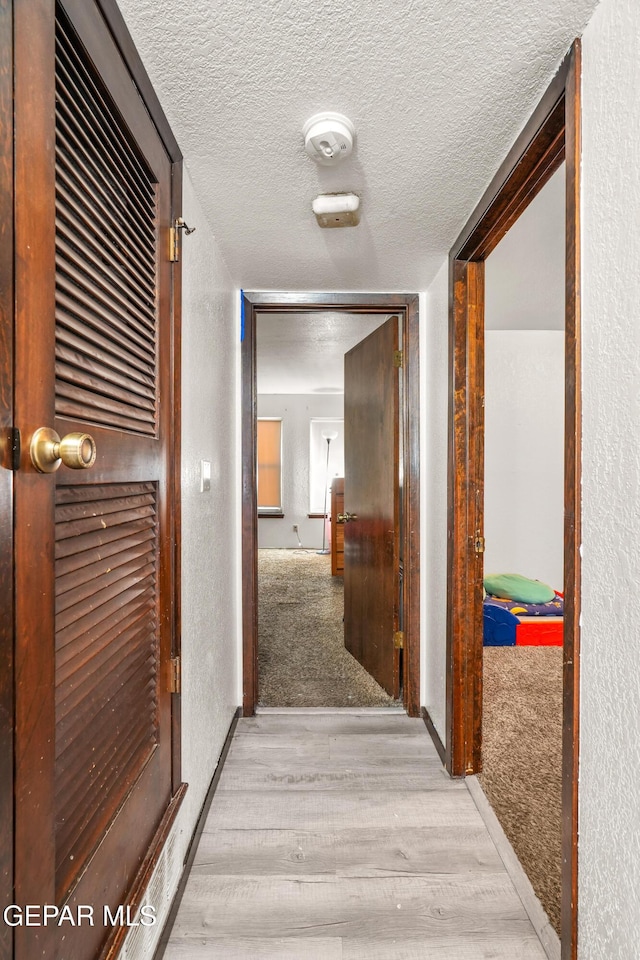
327	435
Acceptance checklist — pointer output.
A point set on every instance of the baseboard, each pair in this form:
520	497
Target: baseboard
534	909
330	711
435	736
193	843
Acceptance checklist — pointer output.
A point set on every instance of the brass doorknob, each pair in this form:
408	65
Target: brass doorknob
48	451
346	517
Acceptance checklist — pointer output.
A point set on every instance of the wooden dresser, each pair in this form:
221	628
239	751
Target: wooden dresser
337	529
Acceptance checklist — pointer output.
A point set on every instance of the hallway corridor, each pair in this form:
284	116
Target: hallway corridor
340	837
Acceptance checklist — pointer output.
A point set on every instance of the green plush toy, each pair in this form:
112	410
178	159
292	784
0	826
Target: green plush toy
513	586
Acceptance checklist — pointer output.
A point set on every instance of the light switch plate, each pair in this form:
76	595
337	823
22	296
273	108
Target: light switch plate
205	476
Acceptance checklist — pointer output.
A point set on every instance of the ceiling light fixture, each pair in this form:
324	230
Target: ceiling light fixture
328	138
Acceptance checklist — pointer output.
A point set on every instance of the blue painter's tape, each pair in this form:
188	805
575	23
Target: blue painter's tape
241	316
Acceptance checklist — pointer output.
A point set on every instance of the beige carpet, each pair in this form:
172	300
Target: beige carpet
522	759
302	661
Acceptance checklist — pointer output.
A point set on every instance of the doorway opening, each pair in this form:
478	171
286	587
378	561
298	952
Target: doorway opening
524	544
307	656
258	308
551	136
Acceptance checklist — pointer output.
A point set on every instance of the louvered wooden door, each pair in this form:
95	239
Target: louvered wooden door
101	345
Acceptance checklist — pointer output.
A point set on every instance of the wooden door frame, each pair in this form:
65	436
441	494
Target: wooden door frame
553	134
406	306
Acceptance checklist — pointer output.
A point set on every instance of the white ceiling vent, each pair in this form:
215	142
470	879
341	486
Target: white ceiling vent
328	138
337	209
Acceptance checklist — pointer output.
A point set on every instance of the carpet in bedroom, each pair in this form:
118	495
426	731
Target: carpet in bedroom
302	660
522	760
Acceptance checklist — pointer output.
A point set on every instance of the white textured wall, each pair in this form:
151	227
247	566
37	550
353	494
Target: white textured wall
609	851
433	425
210	541
296	411
210	524
524	454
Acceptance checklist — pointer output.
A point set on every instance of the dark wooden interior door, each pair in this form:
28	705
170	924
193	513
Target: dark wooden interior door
93	554
371	497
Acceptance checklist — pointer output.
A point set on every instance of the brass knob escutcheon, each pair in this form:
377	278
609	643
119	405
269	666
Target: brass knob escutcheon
48	451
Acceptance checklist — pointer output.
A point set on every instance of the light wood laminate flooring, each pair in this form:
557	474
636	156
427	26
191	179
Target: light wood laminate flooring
342	838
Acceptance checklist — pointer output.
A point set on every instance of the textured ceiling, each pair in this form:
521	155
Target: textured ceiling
524	275
437	89
304	352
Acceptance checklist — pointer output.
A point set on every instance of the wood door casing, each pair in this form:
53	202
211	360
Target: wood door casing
371	492
406	305
553	133
95	576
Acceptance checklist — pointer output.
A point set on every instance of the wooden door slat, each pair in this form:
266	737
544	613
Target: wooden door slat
92	504
71	528
67	636
77	411
81	356
74	141
94	217
89	609
73	553
80	683
95	249
103	286
99	253
78	654
85	597
111	790
78	329
102	492
80	186
83	773
102	707
72	70
96	406
79	285
99	317
90	333
97	299
119	256
102	563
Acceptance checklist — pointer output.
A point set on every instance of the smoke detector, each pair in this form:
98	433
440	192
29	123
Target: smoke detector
337	209
328	138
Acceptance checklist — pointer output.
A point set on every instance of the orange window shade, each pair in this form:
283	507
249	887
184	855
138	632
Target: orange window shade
269	464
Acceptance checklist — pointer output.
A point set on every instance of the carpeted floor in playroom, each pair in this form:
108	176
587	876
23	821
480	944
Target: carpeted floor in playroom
302	660
522	760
